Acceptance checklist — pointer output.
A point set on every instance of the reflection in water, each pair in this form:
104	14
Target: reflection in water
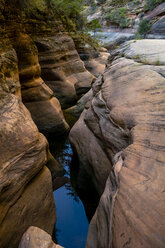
72	224
71	192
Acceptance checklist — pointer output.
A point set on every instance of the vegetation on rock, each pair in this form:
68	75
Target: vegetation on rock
144	28
119	3
70	12
151	4
119	17
94	25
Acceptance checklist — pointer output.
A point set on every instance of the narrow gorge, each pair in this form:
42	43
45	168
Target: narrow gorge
82	133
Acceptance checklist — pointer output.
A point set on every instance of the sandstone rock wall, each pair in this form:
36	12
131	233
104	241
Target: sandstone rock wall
121	141
23	156
26	196
36	95
62	69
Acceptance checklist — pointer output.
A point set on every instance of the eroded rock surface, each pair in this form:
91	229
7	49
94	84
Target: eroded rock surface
126	118
95	61
26	196
37	96
28	210
150	52
158	28
77	109
156	12
36	238
23	156
62	69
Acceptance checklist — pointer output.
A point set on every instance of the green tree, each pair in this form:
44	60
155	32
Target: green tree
144	28
94	25
69	11
119	16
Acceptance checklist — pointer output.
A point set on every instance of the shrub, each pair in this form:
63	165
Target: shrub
94	25
157	62
35	8
119	16
119	3
144	28
69	12
101	1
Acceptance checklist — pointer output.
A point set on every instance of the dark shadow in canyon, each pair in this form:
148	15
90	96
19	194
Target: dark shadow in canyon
72	221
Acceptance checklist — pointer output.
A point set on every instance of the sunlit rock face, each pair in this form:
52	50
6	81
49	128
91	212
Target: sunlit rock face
119	140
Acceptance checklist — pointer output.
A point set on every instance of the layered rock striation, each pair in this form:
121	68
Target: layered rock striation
27	102
36	95
119	141
23	174
62	69
26	194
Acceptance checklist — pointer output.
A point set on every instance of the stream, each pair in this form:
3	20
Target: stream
108	37
72	224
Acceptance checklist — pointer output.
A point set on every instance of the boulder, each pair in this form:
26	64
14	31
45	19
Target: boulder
34	237
119	141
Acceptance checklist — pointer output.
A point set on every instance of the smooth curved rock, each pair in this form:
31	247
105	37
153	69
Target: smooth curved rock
23	155
150	52
100	229
95	63
62	69
36	238
77	109
34	207
158	11
22	159
159	27
126	117
37	96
